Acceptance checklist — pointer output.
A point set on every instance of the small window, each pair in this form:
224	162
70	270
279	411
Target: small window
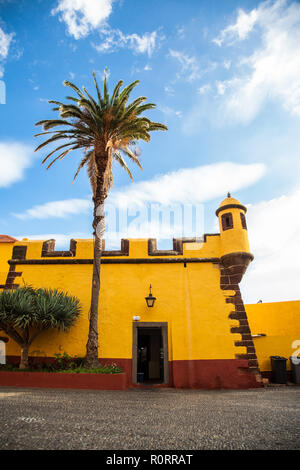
243	220
227	221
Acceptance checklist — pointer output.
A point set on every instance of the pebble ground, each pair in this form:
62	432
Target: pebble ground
150	419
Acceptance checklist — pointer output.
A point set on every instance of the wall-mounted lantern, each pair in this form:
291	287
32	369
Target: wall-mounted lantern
150	299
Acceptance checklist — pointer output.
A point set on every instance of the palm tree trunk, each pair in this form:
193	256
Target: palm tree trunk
24	357
91	358
100	179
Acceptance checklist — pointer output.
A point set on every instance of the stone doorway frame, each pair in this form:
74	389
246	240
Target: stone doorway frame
164	331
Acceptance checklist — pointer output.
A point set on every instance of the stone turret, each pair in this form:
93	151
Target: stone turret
233	227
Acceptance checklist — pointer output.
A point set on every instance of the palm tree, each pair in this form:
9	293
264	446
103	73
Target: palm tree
106	129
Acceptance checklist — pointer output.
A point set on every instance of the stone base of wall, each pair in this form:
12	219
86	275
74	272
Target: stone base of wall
194	374
214	374
63	380
202	374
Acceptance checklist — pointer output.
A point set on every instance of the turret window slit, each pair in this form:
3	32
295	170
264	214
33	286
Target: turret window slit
227	221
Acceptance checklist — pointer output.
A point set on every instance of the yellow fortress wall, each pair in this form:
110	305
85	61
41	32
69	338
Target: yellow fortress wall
280	322
6	246
189	300
196	335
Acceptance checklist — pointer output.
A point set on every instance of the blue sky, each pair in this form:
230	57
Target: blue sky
225	78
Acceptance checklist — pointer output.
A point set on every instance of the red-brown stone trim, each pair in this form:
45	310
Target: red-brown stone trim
243	220
177	245
232	269
227	221
11	276
231	206
124	251
48	249
19	252
64	380
115	261
163	326
212	374
197	374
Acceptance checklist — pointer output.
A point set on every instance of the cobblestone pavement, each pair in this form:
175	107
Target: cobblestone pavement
150	419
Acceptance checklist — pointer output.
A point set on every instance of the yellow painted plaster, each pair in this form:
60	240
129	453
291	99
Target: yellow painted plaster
280	322
189	299
5	255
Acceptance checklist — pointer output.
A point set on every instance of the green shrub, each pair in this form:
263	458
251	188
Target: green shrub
26	312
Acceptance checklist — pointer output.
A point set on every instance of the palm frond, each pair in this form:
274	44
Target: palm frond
83	162
58	148
50	123
116	92
105	128
131	155
52	139
118	157
62	155
144	107
105	91
74	87
157	126
97	89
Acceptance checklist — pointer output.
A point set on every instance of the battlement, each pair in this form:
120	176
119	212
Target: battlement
81	251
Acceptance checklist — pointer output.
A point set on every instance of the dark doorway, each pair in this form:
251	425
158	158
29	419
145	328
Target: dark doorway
150	353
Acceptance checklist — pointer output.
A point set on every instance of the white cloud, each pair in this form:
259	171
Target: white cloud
114	39
244	24
143	44
83	16
227	64
5	40
163	194
189	66
169	111
57	209
181	186
62	240
204	89
271	73
180	32
190	185
15	158
169	90
274	228
221	87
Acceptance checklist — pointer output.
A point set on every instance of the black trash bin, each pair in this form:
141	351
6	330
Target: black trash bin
295	366
279	375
